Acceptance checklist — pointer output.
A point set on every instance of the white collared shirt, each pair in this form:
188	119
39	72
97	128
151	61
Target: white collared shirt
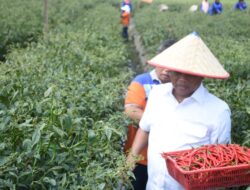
199	119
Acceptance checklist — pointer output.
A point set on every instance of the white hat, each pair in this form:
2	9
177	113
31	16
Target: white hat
190	55
125	8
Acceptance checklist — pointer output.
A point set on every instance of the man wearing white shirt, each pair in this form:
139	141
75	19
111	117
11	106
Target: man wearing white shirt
181	114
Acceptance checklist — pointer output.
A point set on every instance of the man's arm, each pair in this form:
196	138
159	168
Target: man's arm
140	141
135	101
222	131
219	9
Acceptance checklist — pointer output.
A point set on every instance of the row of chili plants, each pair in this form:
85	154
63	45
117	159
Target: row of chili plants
18	28
61	101
227	35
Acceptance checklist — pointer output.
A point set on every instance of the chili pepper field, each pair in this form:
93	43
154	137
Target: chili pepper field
62	91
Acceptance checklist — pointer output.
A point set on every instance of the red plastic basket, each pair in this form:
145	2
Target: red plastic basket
230	176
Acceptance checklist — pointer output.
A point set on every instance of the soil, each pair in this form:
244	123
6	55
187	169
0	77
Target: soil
137	53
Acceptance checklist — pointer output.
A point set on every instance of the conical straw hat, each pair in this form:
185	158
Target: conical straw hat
190	55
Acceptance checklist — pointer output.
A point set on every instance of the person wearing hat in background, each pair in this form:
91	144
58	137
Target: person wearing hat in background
240	5
135	103
204	6
125	19
215	8
182	114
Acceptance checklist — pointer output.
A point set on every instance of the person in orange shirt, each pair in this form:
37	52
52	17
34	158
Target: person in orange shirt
135	103
125	19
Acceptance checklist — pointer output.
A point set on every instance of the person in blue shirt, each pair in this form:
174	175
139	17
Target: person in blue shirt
216	8
241	5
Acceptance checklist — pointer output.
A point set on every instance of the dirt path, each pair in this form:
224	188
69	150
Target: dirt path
139	56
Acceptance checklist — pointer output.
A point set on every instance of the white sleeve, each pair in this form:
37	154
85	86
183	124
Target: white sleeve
146	119
222	131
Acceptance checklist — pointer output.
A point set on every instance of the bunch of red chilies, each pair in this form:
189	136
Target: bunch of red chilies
212	156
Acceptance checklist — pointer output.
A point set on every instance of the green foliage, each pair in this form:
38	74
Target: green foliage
61	97
61	104
17	28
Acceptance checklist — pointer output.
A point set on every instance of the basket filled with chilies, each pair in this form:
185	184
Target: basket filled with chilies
210	166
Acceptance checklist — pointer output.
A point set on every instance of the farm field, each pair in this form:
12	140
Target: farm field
61	95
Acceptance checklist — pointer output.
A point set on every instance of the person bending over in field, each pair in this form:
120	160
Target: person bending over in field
135	103
240	5
182	114
215	8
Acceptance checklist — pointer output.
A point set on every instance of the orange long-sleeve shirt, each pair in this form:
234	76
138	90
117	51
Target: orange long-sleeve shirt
125	18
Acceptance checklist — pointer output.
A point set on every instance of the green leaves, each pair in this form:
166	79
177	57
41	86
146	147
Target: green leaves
35	137
61	101
48	92
50	181
91	135
59	132
27	145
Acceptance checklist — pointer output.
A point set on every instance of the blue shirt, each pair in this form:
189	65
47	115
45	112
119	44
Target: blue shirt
240	6
147	80
216	8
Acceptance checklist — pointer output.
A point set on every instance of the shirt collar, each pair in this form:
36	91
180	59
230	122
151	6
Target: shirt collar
199	94
154	76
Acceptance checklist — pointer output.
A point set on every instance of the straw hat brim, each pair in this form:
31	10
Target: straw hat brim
191	56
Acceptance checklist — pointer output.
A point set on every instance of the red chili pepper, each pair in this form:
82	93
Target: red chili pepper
212	156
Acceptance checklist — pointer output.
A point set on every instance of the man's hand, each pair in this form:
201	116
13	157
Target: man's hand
130	162
140	141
